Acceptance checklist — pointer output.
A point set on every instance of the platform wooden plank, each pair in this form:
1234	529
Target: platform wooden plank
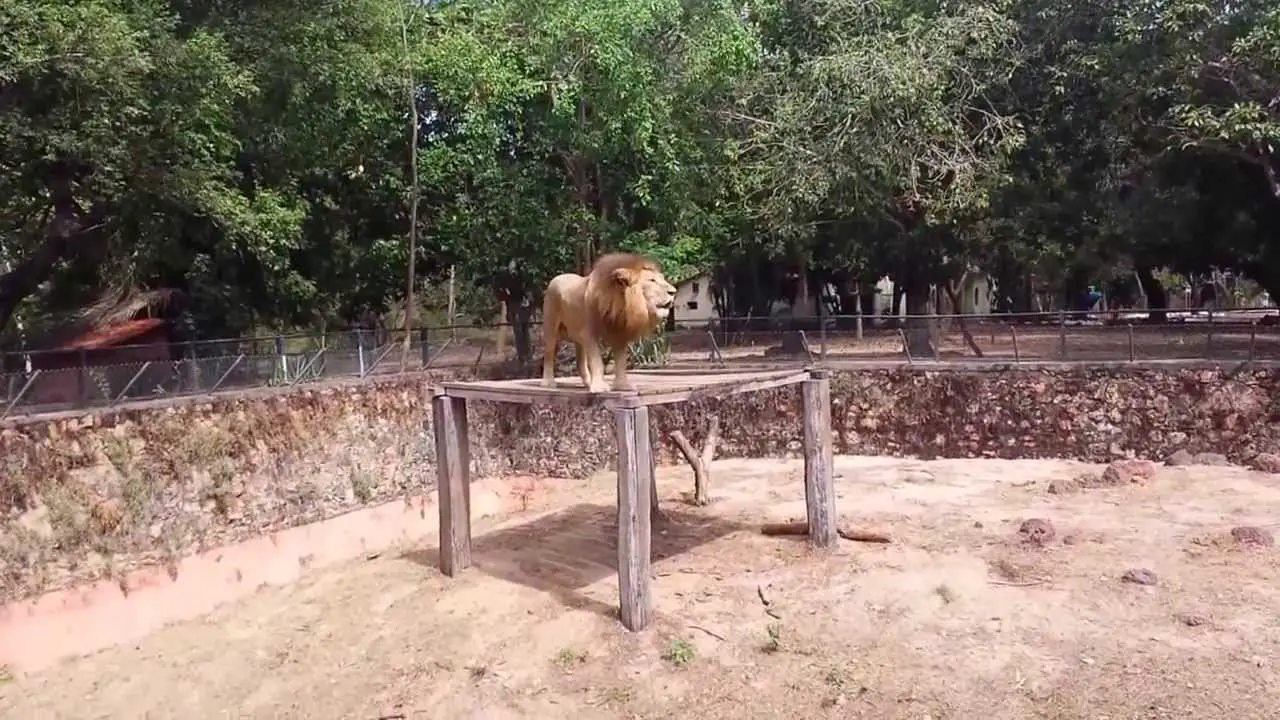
652	387
636	494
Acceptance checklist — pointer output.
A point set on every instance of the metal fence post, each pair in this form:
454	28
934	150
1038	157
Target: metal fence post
284	359
360	349
424	338
1208	345
1062	334
82	377
192	367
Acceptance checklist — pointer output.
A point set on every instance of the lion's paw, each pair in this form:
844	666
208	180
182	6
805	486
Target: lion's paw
598	387
548	382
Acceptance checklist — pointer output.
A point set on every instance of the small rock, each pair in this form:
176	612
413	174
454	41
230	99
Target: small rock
917	476
1212	459
1191	619
1066	486
1139	576
1249	535
1037	531
106	516
1180	458
1265	462
1124	472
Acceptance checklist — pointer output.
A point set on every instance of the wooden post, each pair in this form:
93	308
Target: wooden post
453	473
819	485
635	483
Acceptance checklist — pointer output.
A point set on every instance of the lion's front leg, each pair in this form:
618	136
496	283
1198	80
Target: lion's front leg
584	370
620	380
595	368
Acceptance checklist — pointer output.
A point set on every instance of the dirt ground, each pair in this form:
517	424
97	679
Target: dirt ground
957	618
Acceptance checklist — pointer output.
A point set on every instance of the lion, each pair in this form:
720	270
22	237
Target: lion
624	298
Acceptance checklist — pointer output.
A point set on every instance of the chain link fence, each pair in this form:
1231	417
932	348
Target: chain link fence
34	382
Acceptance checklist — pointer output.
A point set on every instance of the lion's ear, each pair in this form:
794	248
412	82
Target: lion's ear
623	276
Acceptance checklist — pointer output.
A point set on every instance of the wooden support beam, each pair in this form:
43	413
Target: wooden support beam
819	457
453	484
635	485
655	514
701	464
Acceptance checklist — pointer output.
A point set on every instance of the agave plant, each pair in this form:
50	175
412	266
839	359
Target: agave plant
650	352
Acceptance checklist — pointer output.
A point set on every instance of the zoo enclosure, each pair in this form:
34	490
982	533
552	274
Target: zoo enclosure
31	382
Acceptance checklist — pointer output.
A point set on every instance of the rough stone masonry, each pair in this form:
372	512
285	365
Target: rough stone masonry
95	494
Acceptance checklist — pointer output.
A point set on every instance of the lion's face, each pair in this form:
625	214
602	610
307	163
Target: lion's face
649	285
659	295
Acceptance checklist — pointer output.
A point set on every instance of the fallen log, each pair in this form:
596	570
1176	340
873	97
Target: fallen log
802	528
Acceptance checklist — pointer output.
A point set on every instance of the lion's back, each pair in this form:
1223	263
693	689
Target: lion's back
565	301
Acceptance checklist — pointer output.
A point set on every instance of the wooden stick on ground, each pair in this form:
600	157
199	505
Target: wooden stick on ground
802	528
701	464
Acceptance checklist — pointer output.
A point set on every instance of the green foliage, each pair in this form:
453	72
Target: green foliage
255	159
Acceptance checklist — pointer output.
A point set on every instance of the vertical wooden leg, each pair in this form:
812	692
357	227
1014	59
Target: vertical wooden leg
453	472
655	514
635	480
819	456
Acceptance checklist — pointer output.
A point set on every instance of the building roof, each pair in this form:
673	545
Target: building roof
690	278
113	335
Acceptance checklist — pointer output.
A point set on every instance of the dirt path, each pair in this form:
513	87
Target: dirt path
956	619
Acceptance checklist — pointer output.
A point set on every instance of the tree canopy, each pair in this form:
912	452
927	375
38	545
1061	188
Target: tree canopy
278	164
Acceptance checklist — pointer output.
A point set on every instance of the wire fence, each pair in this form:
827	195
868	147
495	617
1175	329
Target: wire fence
33	382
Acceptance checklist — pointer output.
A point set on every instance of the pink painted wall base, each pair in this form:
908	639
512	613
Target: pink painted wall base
39	632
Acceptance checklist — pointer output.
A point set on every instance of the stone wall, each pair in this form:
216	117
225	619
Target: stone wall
97	494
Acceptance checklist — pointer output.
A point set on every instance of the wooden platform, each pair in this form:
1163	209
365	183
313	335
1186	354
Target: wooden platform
652	387
637	496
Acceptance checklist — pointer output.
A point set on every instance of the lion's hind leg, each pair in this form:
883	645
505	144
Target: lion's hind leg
550	344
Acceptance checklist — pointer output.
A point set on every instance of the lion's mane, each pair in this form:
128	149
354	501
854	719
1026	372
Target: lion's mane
619	313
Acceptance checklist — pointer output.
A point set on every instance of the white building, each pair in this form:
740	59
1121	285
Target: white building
694	302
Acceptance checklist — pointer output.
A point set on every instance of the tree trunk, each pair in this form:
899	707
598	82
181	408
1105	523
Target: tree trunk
953	294
415	192
1157	297
58	244
918	332
521	331
867	298
501	338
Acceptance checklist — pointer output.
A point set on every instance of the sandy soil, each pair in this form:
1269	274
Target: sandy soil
958	618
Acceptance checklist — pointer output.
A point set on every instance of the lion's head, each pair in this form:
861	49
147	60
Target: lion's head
629	295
